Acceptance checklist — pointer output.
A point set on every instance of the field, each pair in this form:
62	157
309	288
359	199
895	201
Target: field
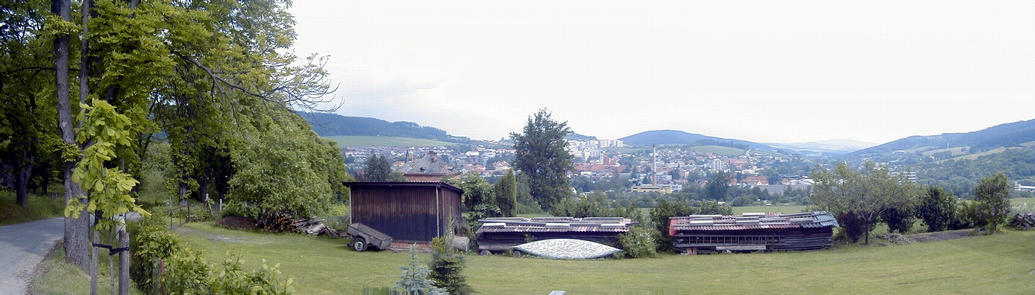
770	209
718	150
349	141
999	264
1022	205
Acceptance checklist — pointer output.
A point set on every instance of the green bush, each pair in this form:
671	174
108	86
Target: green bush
233	280
966	216
164	265
640	242
447	265
937	208
898	219
186	273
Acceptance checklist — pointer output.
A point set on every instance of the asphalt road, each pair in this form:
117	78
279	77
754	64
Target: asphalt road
22	247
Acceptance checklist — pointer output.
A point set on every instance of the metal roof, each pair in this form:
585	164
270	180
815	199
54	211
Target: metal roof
752	221
402	184
554	224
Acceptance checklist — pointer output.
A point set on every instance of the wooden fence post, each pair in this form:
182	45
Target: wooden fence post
123	259
93	263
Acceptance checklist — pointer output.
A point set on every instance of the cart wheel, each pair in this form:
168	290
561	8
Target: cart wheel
359	244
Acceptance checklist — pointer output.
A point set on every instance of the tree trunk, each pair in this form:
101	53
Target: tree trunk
21	179
123	261
77	241
203	190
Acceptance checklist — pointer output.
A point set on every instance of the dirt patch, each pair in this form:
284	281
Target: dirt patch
941	236
237	222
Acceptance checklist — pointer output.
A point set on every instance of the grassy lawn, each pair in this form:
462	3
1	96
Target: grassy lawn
54	276
37	207
999	264
347	141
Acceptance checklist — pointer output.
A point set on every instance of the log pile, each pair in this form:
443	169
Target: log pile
1023	221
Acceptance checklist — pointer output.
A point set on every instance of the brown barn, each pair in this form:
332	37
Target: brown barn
752	232
406	211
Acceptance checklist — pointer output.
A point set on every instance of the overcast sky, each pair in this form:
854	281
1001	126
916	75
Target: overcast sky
767	71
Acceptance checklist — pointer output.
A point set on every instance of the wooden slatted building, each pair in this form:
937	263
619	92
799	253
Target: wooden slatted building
406	211
752	232
503	233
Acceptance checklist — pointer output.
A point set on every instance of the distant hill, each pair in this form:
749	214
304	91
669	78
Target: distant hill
825	147
953	145
327	125
676	137
579	137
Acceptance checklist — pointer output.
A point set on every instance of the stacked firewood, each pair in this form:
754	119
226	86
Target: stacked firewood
278	222
1023	221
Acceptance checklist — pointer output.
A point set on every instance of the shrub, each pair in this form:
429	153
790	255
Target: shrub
233	280
164	265
447	266
186	273
659	219
853	227
640	242
937	208
965	216
414	278
993	204
898	219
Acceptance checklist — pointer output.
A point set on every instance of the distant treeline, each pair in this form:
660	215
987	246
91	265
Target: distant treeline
333	124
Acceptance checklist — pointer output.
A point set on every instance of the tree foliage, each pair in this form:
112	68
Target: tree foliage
447	265
937	208
377	169
860	197
993	204
414	278
505	190
541	153
103	130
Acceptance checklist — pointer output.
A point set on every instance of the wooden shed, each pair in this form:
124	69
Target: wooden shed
406	211
752	232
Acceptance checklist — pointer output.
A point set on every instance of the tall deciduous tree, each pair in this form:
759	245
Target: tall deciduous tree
859	197
541	153
993	204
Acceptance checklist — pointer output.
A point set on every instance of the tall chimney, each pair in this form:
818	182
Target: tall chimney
654	164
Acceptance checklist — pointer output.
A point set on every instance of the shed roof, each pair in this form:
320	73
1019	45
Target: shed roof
751	221
554	224
352	184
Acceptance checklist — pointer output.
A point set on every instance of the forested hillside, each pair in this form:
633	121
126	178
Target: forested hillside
663	137
326	124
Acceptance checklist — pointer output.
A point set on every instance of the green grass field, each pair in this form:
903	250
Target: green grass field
999	264
770	209
37	207
349	141
718	150
1022	205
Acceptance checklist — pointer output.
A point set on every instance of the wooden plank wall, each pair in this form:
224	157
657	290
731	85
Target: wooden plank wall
406	213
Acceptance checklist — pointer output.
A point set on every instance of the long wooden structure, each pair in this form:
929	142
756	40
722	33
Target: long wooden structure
503	233
752	232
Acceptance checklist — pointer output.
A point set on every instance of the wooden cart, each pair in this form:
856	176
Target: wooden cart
364	236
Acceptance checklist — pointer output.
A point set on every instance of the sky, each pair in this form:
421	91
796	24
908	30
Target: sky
765	71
